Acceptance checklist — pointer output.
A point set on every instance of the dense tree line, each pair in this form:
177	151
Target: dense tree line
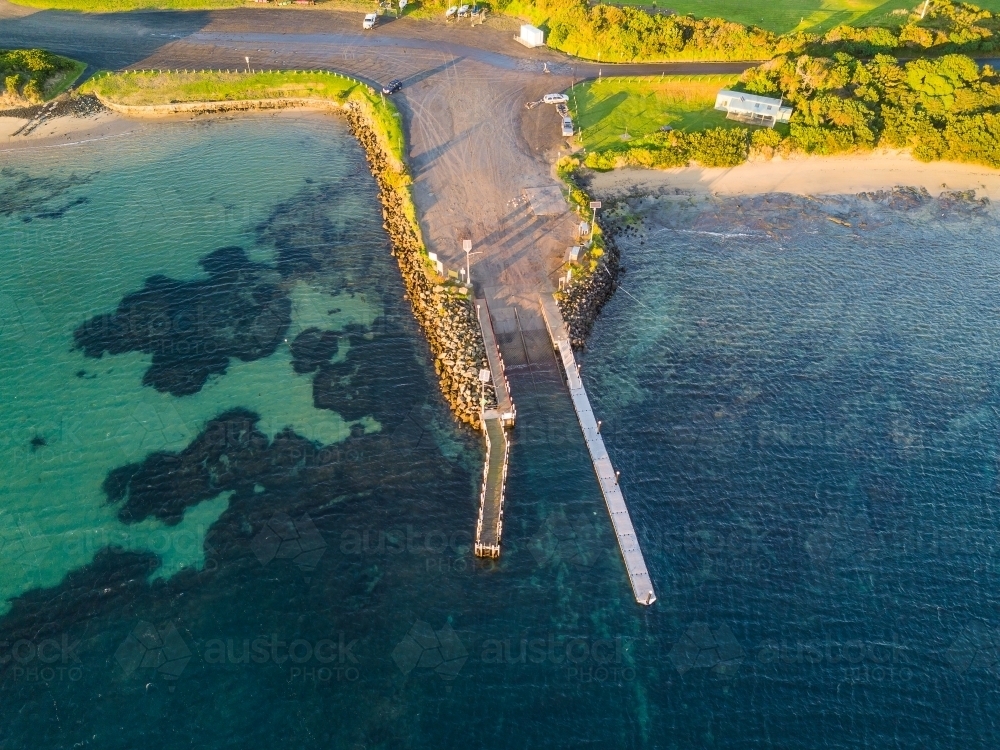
940	108
620	34
26	73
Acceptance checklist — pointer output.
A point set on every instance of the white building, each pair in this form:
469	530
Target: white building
752	109
531	36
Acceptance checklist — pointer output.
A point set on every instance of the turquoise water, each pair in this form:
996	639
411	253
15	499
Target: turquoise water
150	206
236	512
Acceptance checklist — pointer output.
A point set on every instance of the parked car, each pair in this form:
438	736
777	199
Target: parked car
451	12
392	87
463	11
567	126
555	98
563	110
370	20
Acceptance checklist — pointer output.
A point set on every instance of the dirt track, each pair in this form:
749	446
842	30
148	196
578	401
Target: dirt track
473	145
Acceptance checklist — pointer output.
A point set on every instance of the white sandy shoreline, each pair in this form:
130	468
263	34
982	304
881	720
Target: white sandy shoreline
807	175
68	130
61	131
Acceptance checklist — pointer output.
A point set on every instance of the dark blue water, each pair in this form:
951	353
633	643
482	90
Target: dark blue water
806	416
237	513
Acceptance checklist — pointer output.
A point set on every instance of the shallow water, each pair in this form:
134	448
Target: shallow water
236	511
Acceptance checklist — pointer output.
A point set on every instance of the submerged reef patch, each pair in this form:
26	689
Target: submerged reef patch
193	328
358	386
37	197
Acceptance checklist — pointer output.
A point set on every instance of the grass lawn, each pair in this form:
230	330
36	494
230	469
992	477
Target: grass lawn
606	109
153	87
804	15
146	88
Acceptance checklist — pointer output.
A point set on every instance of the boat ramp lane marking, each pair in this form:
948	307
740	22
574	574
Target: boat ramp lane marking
635	564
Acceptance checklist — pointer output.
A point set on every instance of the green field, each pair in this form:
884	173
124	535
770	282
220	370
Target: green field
608	109
161	87
782	16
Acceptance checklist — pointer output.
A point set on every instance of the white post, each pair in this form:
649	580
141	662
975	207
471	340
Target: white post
923	11
467	246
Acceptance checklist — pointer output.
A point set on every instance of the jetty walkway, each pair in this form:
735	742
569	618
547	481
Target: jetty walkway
635	564
489	525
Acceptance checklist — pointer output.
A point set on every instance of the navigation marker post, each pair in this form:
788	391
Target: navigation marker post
248	63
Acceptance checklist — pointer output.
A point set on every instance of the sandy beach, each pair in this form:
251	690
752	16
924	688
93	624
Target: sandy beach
62	131
808	175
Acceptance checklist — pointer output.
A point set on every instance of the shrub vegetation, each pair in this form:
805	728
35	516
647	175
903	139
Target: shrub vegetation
33	75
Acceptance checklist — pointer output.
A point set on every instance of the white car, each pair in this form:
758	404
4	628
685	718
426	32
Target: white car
567	126
463	11
451	12
555	98
370	20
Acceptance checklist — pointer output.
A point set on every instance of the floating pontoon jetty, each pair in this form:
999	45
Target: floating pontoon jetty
635	564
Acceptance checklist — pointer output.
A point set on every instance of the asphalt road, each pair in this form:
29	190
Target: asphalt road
474	147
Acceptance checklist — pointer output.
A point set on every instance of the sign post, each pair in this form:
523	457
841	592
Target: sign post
594	205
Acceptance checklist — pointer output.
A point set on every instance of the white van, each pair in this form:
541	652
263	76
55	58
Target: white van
370	20
567	126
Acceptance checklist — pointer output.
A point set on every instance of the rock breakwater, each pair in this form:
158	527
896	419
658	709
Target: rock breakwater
581	302
445	312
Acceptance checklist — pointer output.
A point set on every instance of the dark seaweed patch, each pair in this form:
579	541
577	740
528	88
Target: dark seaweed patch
21	193
58	213
302	232
358	386
193	328
38	442
231	454
312	348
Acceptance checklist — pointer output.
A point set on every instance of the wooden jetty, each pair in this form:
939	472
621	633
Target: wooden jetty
489	525
635	564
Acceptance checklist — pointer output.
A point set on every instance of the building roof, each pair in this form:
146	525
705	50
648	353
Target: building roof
743	101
